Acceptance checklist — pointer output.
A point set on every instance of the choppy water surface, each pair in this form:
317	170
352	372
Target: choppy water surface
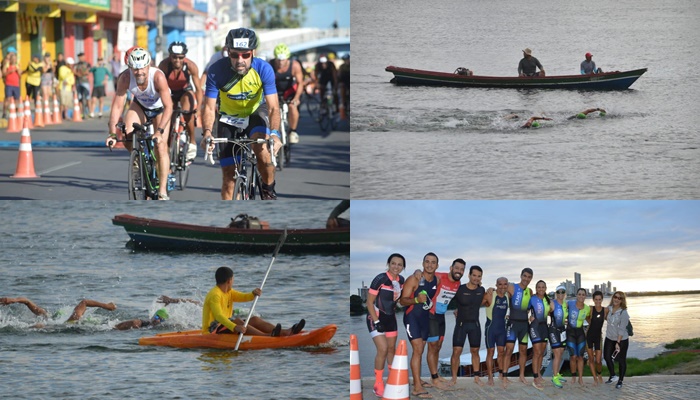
57	253
452	143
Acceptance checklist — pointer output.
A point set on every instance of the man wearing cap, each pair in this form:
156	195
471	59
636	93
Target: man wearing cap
529	64
324	73
66	81
11	77
82	72
588	66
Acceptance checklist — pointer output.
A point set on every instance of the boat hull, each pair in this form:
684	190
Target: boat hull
606	81
152	234
466	368
195	339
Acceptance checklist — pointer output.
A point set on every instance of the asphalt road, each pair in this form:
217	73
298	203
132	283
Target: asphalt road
73	164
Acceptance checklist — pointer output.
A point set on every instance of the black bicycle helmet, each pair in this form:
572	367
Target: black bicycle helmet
177	48
241	39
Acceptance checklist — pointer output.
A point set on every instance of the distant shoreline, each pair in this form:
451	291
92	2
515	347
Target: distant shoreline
639	294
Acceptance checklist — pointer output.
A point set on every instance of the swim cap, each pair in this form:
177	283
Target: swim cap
535	124
162	314
581	115
602	113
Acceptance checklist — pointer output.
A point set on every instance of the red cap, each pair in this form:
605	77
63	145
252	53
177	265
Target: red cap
589	55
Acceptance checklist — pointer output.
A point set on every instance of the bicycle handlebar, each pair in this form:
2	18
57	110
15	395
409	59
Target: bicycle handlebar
209	156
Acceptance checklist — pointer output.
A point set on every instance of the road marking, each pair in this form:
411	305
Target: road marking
59	167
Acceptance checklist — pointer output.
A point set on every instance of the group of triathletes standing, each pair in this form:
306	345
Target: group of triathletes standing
514	313
239	96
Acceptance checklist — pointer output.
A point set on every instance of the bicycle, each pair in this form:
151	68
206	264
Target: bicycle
327	116
247	178
179	143
284	134
143	174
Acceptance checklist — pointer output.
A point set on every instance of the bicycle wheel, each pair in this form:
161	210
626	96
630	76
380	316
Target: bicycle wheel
334	119
136	191
325	121
240	189
150	174
183	170
255	185
311	104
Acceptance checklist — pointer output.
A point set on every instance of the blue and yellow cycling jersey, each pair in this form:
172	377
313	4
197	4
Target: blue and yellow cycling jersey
247	94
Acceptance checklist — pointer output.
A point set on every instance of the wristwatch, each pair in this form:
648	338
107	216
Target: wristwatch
161	130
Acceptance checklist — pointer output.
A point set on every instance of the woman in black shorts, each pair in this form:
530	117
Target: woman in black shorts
594	338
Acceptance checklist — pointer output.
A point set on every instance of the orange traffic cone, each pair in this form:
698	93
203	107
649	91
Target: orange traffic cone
47	112
38	113
397	387
56	111
77	117
355	377
25	160
13	124
28	113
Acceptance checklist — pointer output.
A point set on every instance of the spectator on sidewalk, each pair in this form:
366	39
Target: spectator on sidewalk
34	70
100	76
66	82
11	78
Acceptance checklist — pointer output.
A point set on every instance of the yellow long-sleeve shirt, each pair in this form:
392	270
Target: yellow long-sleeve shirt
219	306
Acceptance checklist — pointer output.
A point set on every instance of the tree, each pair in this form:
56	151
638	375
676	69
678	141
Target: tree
277	14
356	307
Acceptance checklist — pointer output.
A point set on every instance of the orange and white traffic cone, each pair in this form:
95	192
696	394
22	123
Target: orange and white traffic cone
77	117
47	112
56	111
14	124
38	113
25	160
28	113
397	387
355	377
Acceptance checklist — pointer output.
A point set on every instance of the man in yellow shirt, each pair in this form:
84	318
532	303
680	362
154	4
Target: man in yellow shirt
218	310
66	81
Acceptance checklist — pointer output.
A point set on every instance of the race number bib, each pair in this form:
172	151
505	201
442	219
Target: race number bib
238	122
241	43
562	337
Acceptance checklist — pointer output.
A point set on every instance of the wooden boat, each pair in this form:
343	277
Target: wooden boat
606	81
466	368
152	234
195	339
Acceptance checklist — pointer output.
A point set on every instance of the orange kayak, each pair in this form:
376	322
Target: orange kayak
195	339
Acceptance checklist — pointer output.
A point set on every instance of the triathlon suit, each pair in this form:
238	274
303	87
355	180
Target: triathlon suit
387	291
218	309
518	322
467	322
446	291
576	338
495	330
148	99
595	330
538	327
179	81
416	319
241	101
557	330
285	82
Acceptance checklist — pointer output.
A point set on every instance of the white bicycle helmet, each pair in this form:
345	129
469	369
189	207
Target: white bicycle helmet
138	58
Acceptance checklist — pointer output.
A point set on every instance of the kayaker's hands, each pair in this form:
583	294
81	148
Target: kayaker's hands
257	292
240	329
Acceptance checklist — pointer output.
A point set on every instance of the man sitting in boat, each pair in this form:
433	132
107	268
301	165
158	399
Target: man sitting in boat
584	114
529	64
334	221
159	317
588	66
218	311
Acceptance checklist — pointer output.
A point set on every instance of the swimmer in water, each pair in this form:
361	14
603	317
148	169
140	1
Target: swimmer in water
584	114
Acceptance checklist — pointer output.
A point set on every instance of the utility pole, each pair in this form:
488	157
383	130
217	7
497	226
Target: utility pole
159	38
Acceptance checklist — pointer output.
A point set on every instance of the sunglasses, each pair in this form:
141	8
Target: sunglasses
244	56
617	297
179	57
561	291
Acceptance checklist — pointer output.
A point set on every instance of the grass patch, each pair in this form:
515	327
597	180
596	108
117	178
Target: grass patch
658	364
686	344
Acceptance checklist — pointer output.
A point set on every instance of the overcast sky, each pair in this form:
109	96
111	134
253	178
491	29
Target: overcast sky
637	245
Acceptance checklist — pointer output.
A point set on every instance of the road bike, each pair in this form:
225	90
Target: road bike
247	180
328	118
284	134
179	143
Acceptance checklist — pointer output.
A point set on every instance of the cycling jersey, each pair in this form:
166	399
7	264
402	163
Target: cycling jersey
445	292
247	93
178	79
386	290
284	80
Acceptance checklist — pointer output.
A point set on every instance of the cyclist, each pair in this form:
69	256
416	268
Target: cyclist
289	77
182	73
325	72
344	82
245	88
151	100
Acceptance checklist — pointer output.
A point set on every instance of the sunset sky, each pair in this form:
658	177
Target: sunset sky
637	245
